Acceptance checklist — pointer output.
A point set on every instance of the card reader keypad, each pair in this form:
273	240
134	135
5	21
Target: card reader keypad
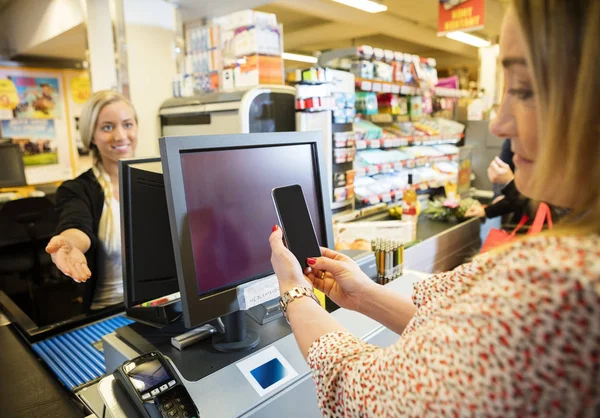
176	403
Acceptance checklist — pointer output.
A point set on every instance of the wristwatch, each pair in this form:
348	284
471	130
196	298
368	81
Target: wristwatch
295	293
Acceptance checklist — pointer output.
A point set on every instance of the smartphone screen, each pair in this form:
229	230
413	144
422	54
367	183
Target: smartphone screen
296	224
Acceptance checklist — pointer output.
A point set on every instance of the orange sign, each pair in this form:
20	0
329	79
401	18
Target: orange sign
460	15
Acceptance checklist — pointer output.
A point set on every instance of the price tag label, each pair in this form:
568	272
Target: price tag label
387	88
377	87
366	85
396	142
386	167
375	143
411	163
258	292
386	198
372	170
398	166
388	143
360	172
361	144
395	89
373	200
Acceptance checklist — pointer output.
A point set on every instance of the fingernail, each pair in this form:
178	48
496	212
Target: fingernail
275	228
311	261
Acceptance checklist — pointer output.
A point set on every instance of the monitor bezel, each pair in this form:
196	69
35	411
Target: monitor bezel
23	180
198	309
131	286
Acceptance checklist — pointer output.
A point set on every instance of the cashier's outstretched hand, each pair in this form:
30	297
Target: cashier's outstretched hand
68	259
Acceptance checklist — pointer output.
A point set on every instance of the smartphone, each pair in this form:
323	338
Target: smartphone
296	224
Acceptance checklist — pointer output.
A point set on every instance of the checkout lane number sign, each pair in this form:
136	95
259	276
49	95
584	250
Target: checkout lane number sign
267	370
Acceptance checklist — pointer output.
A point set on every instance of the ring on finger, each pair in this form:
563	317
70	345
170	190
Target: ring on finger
322	275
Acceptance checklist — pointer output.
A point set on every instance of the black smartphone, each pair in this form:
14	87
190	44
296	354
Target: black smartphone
296	224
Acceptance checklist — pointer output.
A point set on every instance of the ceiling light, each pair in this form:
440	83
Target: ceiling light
364	5
301	58
468	39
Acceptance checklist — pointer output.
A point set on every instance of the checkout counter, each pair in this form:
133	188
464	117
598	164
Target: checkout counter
220	385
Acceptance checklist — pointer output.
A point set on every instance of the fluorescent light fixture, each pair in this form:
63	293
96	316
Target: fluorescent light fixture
300	58
468	39
364	5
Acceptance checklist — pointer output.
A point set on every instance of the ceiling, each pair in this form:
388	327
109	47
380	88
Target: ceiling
407	26
70	44
315	25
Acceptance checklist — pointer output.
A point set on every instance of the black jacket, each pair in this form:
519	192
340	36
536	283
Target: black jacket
513	202
79	203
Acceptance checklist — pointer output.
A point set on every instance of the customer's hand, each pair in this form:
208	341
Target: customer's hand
499	172
475	211
343	282
286	267
68	259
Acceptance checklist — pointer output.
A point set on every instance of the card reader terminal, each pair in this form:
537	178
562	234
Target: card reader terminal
152	383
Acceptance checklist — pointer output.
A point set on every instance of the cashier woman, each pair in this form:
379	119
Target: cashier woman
88	245
515	332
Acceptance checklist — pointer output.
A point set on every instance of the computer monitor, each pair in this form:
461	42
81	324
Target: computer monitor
12	170
148	261
221	212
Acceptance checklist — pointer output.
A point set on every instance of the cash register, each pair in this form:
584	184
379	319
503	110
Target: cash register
217	195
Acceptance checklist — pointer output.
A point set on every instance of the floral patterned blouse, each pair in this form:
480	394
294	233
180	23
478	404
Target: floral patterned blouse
514	333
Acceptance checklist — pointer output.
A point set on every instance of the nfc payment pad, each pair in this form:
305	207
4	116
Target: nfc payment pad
267	370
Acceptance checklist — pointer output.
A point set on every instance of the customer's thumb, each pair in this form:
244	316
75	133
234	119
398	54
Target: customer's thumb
327	264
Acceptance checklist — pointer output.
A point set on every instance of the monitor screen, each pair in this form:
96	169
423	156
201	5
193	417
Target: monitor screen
230	210
12	171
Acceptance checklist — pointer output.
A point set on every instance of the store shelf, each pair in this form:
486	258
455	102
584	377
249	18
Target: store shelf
342	204
393	197
342	127
378	86
446	92
390	143
375	169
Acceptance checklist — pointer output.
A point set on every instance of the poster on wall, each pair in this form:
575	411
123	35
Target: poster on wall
33	114
35	137
39	97
78	86
460	15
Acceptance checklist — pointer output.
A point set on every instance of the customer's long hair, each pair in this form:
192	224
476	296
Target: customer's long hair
563	41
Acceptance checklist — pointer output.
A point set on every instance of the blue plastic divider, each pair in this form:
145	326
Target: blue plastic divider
72	356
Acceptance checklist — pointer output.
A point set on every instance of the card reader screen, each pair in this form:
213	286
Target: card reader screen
148	375
269	373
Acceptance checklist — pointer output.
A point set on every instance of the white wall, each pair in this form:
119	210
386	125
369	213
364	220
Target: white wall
28	23
150	34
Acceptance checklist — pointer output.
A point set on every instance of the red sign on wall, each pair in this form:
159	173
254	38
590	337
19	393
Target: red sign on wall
460	15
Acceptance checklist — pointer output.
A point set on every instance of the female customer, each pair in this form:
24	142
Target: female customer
88	244
515	332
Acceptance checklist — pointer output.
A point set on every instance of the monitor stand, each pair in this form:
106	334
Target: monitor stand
236	336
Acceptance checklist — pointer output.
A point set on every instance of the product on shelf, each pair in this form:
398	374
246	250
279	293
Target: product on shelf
366	103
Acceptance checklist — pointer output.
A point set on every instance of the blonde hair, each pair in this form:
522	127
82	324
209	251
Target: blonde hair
563	40
87	127
89	117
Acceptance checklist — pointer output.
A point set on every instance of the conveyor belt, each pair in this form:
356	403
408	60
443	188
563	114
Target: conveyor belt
72	356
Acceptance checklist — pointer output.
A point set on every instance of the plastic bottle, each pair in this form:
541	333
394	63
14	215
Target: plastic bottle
409	206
